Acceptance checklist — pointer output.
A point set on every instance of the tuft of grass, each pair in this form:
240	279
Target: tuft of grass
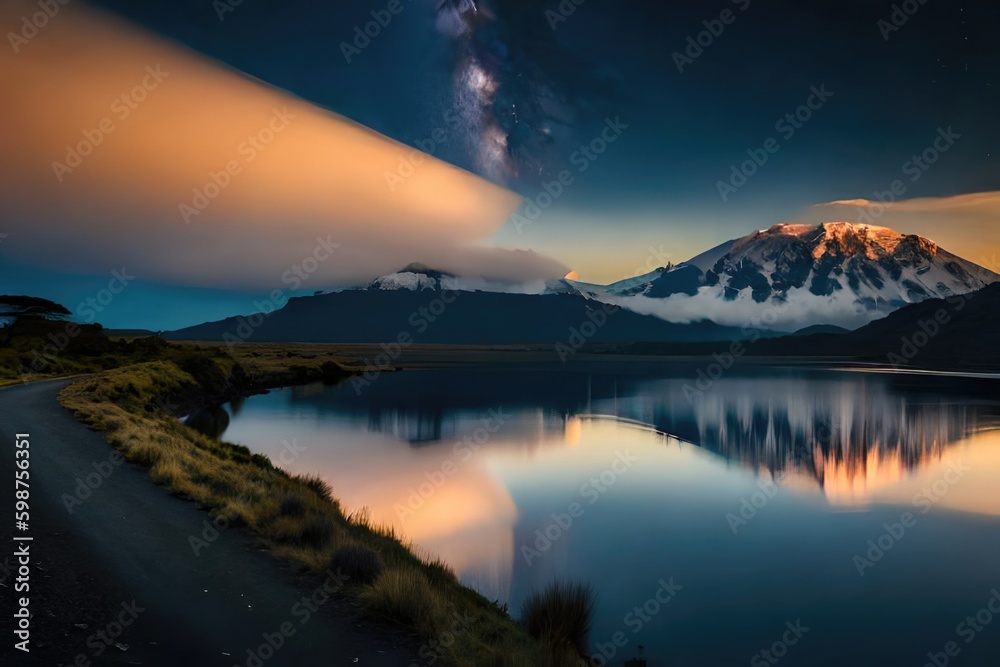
561	615
317	484
405	596
296	517
359	563
317	531
292	505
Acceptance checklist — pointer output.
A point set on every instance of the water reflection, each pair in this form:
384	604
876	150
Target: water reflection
212	421
848	434
472	465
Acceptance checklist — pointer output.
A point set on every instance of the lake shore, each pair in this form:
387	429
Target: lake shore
295	518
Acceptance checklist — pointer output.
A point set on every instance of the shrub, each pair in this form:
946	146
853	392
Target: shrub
292	505
361	564
405	596
317	484
317	532
560	615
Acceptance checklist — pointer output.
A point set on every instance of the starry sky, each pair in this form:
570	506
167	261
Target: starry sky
643	124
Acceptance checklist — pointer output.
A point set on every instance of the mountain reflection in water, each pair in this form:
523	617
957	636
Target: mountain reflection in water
846	433
472	466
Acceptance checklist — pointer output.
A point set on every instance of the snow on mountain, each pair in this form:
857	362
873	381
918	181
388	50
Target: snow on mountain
405	280
419	277
787	277
794	275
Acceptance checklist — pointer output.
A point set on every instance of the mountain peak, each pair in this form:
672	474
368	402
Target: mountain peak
415	277
420	267
842	239
832	228
841	273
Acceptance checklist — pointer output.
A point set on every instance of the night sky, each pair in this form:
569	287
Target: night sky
494	89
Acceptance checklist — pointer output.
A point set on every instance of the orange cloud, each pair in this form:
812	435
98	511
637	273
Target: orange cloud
121	148
986	202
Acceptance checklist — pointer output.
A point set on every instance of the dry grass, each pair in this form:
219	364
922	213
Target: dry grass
359	563
560	616
281	361
296	517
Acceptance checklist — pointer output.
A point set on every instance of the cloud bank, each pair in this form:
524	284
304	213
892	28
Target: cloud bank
122	149
802	309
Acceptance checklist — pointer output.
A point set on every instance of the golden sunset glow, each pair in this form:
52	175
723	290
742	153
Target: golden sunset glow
204	175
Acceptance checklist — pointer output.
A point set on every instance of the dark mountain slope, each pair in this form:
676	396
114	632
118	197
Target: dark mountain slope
473	318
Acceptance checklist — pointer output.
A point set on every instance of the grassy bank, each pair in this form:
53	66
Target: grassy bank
297	517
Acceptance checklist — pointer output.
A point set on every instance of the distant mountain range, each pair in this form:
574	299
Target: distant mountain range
442	316
780	280
959	332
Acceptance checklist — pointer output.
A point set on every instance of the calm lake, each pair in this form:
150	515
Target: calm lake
793	516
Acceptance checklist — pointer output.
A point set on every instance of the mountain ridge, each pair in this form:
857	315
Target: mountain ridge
805	277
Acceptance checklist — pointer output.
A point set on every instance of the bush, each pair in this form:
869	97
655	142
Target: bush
317	532
361	564
561	615
292	505
317	484
405	596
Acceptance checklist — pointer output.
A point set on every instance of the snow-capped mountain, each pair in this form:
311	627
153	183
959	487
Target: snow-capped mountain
783	279
418	277
795	275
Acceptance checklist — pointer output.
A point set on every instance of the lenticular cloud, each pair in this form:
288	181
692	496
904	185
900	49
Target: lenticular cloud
135	151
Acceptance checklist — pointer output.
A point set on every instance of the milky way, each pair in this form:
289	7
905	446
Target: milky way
509	105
